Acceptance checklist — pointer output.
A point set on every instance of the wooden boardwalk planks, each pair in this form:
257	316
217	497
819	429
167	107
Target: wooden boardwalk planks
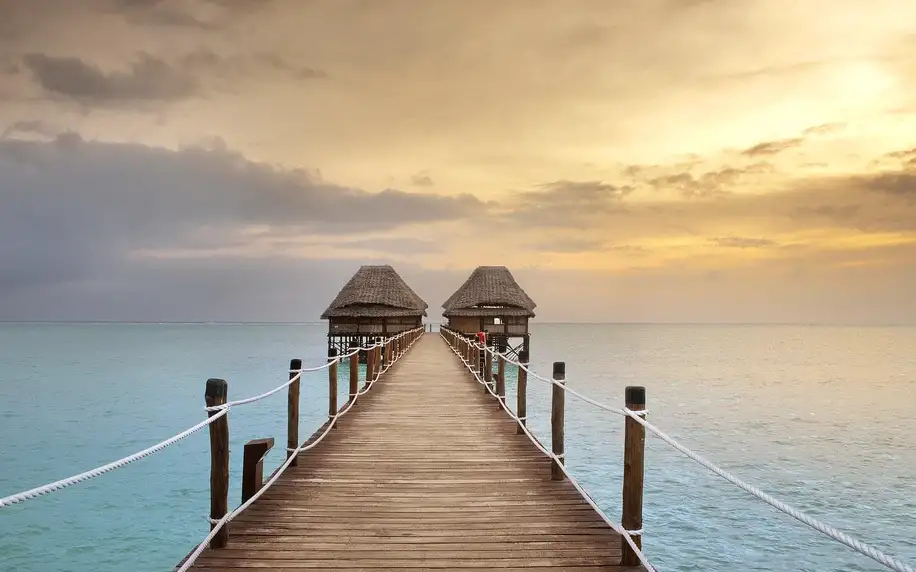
425	474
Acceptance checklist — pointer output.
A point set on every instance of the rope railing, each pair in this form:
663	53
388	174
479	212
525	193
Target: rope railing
558	459
638	416
123	462
218	525
217	413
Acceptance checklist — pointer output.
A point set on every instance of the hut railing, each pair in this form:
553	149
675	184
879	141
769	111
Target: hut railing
634	412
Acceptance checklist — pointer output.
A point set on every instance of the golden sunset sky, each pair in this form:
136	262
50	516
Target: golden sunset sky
652	160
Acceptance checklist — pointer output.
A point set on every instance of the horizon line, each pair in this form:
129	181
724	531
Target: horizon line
545	322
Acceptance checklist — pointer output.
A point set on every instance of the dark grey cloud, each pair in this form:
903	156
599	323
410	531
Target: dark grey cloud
147	79
77	212
772	147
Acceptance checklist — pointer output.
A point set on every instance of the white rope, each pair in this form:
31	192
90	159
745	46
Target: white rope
824	528
558	459
220	410
565	387
218	524
256	397
85	476
857	545
286	384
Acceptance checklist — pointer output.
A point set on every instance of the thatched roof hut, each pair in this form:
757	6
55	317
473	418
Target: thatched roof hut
376	291
490	300
376	300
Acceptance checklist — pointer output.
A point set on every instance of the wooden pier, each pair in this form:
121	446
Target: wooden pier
426	473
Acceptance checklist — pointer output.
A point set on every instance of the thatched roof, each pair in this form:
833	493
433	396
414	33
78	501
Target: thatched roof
489	290
377	292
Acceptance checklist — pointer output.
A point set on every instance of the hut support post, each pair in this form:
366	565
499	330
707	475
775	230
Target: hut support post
370	364
354	371
487	367
332	382
501	380
522	392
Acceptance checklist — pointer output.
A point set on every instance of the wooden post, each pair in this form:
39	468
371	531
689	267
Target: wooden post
253	466
292	410
332	382
216	393
634	448
370	364
557	419
354	371
480	358
522	392
501	380
487	367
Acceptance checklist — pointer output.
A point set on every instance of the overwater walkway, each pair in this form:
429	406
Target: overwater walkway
427	473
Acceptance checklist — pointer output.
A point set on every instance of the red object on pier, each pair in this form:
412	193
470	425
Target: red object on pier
482	337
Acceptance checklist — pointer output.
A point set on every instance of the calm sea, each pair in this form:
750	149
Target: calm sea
821	417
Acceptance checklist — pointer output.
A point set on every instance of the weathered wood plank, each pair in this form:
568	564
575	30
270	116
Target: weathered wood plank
424	474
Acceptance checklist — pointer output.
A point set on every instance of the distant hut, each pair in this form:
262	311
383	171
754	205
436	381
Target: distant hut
490	300
376	302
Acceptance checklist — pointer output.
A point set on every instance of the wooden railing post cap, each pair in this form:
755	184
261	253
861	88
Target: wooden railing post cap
559	370
332	352
216	388
295	364
523	356
635	395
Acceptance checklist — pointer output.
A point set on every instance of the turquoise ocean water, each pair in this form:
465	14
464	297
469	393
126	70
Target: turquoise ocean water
821	417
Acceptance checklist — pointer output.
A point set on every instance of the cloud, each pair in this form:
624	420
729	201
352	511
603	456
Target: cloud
195	14
824	128
743	242
421	180
878	202
772	147
569	245
564	203
147	79
31	127
151	79
77	211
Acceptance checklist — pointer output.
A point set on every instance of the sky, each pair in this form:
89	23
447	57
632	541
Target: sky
631	161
